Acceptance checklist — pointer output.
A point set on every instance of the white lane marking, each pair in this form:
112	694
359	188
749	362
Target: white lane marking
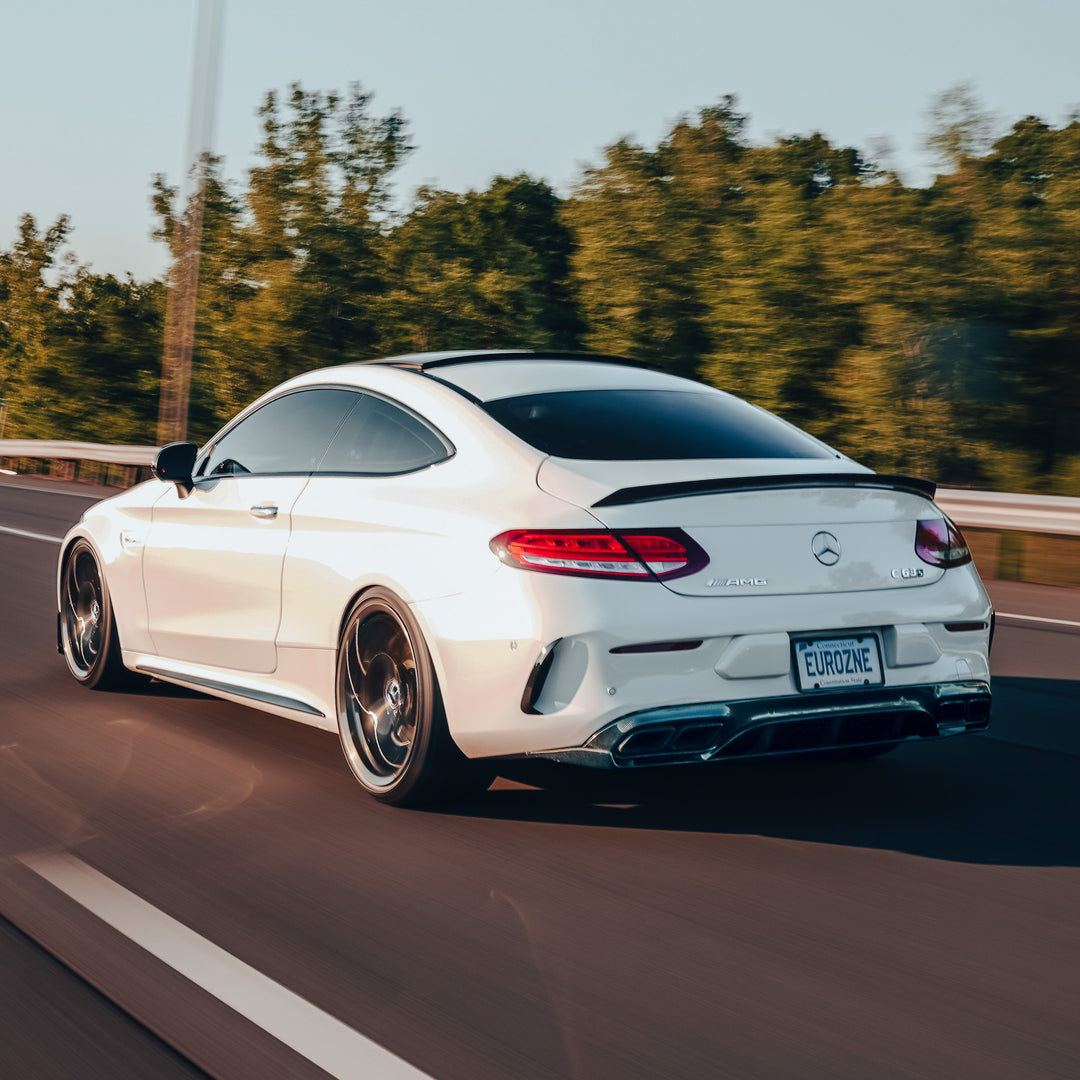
323	1040
1036	618
31	535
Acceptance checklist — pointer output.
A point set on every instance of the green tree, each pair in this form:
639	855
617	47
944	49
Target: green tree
292	266
104	361
483	269
645	223
33	277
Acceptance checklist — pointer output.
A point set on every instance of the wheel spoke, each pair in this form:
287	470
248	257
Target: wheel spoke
379	694
69	580
81	561
83	612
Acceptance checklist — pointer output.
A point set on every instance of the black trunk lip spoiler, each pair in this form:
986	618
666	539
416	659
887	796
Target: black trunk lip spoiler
629	496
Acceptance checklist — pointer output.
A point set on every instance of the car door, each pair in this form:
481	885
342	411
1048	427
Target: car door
372	512
213	561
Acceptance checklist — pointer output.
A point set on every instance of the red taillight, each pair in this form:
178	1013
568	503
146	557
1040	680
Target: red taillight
940	543
639	555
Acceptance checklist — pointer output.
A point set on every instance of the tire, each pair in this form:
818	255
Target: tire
88	638
390	714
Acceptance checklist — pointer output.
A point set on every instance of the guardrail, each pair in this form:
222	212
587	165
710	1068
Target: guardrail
113	466
1047	514
77	451
1056	514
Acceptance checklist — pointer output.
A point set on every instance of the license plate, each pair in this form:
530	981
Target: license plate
830	662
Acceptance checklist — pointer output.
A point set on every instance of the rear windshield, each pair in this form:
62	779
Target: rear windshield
638	425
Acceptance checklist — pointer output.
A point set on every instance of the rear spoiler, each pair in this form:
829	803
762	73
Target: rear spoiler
656	492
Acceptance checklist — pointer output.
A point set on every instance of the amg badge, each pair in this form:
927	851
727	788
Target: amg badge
730	582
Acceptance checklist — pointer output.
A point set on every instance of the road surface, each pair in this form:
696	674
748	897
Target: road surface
257	914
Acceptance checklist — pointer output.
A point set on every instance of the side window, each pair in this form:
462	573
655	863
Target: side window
287	435
381	439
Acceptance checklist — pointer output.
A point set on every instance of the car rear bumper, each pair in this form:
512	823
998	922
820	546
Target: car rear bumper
723	730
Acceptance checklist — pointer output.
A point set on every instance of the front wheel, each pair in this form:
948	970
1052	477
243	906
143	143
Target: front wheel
390	715
88	635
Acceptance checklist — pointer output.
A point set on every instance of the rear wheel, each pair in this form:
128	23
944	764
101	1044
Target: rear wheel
390	715
88	636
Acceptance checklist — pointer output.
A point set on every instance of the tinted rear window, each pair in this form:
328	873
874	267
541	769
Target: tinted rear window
640	425
379	439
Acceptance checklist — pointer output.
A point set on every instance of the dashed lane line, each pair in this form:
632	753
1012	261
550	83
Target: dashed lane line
31	535
325	1041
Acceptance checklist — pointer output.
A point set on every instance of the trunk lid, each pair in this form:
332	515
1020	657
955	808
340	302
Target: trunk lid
769	527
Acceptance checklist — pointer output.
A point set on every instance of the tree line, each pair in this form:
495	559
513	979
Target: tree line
932	330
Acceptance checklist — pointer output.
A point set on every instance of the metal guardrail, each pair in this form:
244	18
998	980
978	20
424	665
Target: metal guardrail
1053	514
77	451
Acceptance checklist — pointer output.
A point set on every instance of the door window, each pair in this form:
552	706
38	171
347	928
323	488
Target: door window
287	436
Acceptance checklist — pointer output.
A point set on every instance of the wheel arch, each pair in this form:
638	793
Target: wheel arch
430	640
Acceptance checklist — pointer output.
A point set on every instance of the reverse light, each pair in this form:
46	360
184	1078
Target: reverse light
940	543
638	555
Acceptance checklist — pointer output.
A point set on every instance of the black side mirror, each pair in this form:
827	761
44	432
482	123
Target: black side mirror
175	462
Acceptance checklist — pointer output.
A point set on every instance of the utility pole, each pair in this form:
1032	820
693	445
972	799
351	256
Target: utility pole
183	283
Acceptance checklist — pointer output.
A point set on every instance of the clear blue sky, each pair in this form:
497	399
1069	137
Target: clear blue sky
95	95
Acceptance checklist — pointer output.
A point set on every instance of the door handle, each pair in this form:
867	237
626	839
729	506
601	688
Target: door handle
264	510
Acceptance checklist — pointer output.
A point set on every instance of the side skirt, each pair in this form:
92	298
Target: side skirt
264	697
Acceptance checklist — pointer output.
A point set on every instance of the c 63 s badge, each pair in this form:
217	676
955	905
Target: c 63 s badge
732	582
907	572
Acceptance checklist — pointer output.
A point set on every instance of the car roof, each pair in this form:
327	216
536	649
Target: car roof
424	361
486	375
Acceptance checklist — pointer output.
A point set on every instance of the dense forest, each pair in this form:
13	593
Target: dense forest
928	330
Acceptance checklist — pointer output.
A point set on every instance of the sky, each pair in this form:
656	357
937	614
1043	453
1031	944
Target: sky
95	96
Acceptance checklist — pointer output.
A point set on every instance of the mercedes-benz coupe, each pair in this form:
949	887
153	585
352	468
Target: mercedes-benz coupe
455	558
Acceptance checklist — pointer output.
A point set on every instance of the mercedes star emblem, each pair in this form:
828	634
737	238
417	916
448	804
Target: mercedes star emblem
826	548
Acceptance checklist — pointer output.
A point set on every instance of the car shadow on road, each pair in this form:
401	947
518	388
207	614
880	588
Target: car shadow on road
145	687
969	799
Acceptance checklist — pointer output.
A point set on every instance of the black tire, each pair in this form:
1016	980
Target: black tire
88	638
390	714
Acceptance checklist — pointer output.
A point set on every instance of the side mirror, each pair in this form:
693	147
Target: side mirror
175	462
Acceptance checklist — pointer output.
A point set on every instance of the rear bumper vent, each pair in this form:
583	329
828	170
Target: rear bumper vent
818	733
770	727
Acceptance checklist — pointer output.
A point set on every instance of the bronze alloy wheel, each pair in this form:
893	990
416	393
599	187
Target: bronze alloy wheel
390	716
88	636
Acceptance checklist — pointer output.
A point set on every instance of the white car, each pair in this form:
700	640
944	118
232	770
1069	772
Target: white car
453	558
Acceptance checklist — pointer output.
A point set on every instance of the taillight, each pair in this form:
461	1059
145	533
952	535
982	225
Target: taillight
639	555
940	543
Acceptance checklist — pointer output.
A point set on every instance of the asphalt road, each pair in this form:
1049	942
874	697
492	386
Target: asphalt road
915	916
